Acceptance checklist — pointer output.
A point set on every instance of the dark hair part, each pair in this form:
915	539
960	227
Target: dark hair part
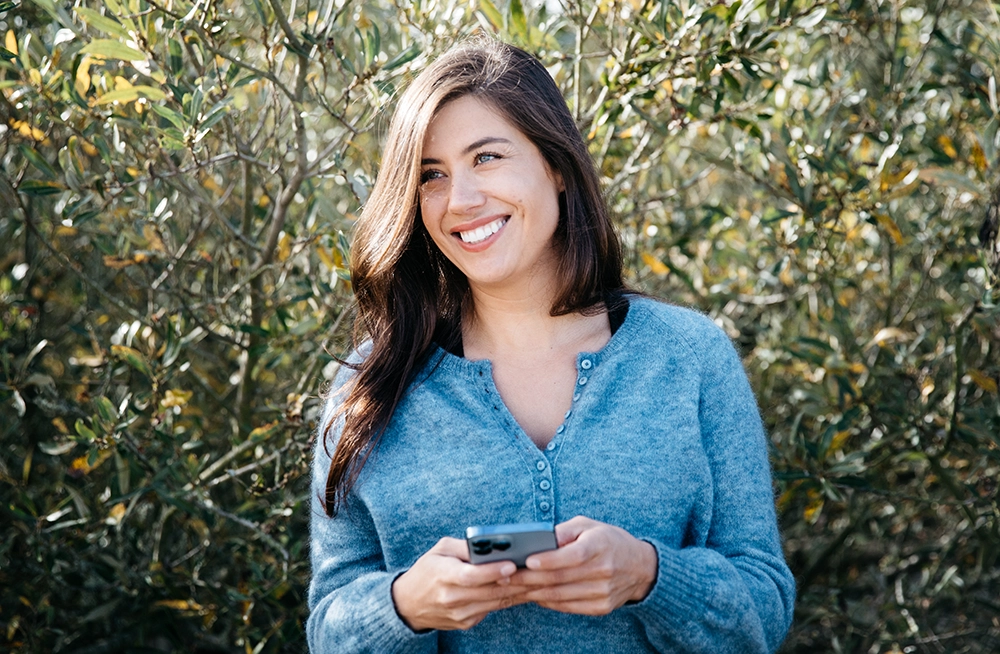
408	293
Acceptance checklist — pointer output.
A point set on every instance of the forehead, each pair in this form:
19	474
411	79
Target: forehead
464	120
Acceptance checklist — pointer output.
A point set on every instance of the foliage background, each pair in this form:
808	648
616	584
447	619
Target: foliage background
177	191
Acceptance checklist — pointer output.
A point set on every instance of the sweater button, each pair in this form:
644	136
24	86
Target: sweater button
586	364
540	465
544	506
561	429
576	396
544	484
551	446
583	380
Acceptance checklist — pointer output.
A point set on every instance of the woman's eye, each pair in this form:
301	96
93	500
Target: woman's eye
429	175
484	157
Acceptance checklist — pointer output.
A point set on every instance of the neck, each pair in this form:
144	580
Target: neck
522	325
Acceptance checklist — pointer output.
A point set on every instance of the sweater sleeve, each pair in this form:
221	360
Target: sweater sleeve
735	594
350	593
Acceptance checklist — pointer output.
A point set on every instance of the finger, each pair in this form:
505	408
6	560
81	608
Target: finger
571	592
567	532
453	547
573	554
484	574
550	577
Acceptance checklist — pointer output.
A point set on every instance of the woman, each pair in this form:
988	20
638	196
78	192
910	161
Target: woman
508	377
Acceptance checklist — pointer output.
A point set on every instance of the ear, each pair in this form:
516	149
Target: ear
557	178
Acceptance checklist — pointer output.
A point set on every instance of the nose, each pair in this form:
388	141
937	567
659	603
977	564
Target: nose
464	193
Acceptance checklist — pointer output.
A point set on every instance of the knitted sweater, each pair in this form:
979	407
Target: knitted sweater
663	440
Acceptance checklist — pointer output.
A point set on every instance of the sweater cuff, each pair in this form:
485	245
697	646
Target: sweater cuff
385	630
679	589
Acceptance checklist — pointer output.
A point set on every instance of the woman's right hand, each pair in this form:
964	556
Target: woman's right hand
442	590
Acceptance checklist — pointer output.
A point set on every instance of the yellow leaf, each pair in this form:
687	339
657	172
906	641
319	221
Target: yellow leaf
115	515
890	226
284	247
839	439
657	266
35	77
181	605
122	83
265	431
27	131
10	42
812	511
81	465
88	148
947	146
60	424
82	83
785	276
116	263
326	257
155	242
983	381
176	398
979	157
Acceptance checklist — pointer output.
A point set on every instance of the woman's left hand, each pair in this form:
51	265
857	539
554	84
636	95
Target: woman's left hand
597	568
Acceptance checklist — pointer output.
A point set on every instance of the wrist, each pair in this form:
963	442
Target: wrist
400	596
649	568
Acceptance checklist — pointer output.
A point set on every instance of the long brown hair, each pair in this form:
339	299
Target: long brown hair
408	294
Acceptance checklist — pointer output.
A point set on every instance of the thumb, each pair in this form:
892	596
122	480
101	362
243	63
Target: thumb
569	531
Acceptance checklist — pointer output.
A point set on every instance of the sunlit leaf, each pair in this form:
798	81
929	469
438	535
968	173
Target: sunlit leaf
133	358
112	49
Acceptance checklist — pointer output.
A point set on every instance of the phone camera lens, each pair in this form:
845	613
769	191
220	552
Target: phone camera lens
501	544
483	546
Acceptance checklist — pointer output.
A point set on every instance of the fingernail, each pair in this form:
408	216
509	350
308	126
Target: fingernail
532	563
508	569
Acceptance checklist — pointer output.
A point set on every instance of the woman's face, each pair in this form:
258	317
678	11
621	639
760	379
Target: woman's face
488	198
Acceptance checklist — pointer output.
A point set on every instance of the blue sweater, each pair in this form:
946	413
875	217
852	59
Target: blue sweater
663	439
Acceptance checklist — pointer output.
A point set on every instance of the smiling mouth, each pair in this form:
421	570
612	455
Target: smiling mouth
479	234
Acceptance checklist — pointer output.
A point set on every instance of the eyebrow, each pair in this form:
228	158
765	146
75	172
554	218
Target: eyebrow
471	147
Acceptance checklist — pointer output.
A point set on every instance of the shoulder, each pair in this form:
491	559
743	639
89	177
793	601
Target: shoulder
686	326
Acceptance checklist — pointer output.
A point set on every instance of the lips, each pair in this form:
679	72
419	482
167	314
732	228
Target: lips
473	236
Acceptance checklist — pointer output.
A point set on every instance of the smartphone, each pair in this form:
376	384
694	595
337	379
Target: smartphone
509	542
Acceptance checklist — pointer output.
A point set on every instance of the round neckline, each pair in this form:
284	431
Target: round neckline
440	357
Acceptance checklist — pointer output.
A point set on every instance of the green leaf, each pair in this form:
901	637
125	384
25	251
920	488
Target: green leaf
518	22
37	161
106	410
129	94
403	57
492	14
133	358
103	23
265	432
7	6
176	56
112	50
7	55
35	188
132	93
84	431
173	116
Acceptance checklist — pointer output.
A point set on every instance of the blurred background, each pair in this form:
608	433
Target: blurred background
178	189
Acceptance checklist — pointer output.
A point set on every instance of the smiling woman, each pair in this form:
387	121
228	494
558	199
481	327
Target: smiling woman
505	375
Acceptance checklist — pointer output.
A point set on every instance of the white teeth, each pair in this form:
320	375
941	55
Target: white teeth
484	232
